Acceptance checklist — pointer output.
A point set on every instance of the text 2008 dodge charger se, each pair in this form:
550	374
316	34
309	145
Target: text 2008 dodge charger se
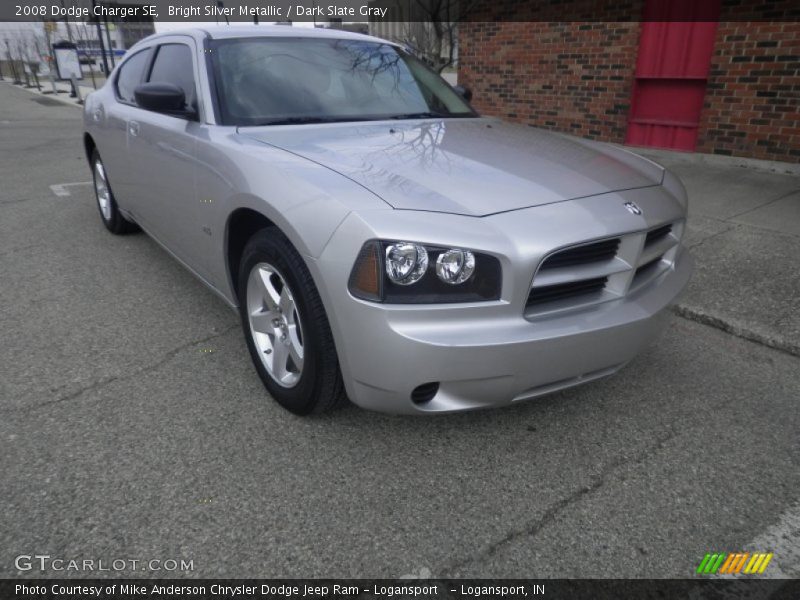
378	236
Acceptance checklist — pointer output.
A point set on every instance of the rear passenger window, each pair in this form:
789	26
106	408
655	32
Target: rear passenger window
173	64
130	75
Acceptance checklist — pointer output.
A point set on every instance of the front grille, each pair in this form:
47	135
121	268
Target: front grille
655	235
594	272
566	291
588	253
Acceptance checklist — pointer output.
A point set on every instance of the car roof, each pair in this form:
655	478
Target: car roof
252	31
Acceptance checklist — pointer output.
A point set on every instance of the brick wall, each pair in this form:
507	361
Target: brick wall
752	104
574	77
577	77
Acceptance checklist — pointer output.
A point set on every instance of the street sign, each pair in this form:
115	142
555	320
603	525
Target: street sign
68	65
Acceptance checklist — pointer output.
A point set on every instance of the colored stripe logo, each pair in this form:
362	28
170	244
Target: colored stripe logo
734	563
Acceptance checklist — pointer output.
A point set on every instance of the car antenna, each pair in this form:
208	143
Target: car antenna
221	4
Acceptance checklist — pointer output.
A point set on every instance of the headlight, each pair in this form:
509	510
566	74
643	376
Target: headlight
455	266
410	273
406	263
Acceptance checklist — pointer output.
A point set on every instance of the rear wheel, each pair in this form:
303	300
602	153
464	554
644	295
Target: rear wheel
106	204
285	325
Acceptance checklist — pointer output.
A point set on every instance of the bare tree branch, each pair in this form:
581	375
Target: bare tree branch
432	30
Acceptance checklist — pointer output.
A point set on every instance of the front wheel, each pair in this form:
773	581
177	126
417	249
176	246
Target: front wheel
286	327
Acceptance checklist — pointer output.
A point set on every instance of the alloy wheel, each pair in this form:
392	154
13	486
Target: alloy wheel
101	190
275	324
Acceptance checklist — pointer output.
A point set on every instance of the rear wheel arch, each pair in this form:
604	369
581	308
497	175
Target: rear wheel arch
89	146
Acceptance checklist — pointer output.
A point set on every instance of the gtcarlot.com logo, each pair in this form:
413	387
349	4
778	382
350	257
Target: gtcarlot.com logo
46	562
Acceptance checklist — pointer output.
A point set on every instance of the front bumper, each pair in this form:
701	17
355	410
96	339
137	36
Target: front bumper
486	354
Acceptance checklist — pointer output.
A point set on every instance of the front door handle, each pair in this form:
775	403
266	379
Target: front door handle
133	127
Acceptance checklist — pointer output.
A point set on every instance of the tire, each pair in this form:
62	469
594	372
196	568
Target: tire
106	204
285	326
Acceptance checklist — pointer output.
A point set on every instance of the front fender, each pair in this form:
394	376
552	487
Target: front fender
305	200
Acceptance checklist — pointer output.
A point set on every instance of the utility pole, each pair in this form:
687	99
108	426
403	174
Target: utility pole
16	79
100	39
109	44
22	64
66	22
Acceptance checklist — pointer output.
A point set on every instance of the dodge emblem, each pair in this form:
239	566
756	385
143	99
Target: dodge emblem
632	208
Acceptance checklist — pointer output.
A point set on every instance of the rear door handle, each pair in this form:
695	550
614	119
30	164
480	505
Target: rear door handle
133	127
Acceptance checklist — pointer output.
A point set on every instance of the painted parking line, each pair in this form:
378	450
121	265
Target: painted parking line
60	189
783	539
780	546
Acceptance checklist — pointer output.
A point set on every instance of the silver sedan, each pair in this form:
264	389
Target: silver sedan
380	240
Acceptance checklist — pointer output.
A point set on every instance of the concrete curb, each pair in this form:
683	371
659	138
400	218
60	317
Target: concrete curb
718	160
735	329
63	100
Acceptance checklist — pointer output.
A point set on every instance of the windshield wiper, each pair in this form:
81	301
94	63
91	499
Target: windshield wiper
303	120
420	115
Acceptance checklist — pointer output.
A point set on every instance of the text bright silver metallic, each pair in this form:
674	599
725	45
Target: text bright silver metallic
517	193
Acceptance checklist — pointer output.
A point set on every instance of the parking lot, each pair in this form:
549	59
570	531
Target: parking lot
132	424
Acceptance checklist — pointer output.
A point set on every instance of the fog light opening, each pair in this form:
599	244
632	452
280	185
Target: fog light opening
425	392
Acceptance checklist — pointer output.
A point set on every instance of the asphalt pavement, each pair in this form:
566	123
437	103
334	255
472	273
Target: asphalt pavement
133	426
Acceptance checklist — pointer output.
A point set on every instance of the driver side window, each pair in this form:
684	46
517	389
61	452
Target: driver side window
130	76
173	64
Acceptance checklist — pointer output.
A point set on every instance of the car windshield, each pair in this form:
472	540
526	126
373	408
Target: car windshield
277	80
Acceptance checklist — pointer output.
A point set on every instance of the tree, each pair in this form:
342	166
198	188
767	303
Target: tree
432	30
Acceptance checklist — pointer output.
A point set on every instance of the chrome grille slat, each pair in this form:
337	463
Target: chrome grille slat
657	234
563	291
551	277
577	255
642	270
657	248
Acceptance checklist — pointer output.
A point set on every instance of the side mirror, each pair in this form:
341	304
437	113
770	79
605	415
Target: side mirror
165	98
464	92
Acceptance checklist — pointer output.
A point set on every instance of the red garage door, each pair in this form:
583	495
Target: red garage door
671	73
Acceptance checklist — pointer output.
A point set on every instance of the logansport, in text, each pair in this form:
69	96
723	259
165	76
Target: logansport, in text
296	11
288	591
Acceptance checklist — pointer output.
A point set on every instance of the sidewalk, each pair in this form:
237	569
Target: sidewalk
744	232
63	88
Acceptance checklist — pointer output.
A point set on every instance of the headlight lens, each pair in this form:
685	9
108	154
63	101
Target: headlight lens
455	266
397	272
406	263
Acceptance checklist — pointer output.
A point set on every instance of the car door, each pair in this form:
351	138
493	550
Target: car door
113	143
162	150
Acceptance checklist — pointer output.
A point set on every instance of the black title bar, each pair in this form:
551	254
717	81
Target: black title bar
362	11
389	589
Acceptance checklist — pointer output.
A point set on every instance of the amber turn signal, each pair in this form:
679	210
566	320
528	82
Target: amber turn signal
366	278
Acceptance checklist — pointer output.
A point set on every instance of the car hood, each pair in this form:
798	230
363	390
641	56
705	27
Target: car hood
473	167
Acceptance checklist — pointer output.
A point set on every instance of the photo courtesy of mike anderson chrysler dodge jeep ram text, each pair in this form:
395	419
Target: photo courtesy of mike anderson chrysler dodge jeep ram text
382	241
